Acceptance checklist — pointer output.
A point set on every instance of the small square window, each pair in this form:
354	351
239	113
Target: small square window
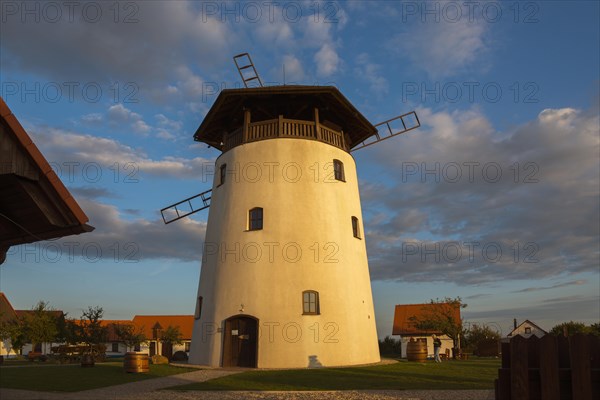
527	330
255	219
310	303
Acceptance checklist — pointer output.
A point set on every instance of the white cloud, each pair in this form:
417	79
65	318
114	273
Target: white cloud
106	52
442	49
164	134
327	60
137	240
545	203
119	114
165	122
93	118
293	69
371	72
75	147
140	126
278	32
167	128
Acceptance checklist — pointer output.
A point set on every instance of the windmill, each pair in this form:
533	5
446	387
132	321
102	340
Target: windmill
284	249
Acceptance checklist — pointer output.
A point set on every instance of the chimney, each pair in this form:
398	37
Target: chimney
515	323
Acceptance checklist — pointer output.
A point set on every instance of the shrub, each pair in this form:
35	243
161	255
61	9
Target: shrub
390	347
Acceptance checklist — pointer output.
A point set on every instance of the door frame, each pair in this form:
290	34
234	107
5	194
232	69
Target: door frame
227	336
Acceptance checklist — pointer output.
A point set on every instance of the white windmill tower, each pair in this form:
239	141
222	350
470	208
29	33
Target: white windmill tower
284	280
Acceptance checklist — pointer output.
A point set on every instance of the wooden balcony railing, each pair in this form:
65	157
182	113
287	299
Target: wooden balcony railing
281	127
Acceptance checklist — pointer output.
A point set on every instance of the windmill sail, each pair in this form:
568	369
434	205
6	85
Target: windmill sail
186	207
247	70
390	128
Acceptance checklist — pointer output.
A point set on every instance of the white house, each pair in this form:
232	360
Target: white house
151	327
526	329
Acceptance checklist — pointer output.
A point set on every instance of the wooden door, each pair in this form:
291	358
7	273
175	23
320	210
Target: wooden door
167	350
240	342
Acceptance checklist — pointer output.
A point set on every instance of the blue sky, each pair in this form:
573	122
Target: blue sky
494	199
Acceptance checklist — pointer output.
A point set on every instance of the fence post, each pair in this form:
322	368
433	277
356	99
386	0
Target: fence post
502	384
549	379
519	370
581	374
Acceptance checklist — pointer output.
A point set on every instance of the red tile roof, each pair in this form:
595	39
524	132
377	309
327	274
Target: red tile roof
184	322
403	325
55	313
111	325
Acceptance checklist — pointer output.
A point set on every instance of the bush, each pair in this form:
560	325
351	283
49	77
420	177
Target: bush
179	356
390	347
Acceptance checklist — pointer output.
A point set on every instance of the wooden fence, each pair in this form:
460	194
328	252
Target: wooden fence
550	368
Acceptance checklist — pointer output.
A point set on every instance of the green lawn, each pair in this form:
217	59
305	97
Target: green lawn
472	374
73	378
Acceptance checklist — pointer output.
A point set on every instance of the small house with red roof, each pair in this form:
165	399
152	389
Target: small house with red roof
405	316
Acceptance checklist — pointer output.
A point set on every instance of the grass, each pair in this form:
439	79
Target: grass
73	378
452	375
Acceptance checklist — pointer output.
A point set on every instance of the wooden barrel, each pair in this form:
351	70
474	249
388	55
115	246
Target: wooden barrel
136	362
416	350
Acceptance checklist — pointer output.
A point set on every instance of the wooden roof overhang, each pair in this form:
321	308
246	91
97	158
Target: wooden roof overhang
34	203
227	112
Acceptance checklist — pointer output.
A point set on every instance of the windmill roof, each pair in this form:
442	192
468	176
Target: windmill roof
294	101
35	204
403	325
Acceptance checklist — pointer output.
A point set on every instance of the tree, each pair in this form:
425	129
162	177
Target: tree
72	332
390	347
11	333
4	332
171	335
595	329
440	316
478	333
40	324
130	335
92	332
571	328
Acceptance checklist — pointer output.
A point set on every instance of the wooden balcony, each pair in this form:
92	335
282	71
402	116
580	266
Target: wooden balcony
283	128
